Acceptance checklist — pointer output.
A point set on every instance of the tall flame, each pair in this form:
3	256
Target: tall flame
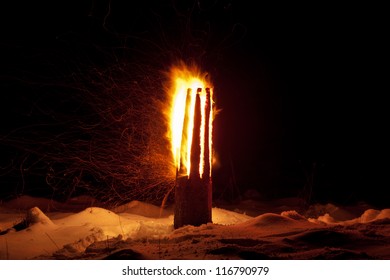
186	86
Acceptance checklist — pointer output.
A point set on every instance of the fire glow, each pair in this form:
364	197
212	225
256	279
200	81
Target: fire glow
191	94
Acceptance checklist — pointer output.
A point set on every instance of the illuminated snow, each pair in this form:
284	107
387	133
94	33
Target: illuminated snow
144	230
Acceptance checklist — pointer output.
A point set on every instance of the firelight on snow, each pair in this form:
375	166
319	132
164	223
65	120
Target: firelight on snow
191	120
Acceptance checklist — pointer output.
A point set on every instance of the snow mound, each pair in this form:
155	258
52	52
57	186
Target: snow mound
327	219
96	215
373	215
35	216
292	214
226	217
335	212
143	209
368	216
270	219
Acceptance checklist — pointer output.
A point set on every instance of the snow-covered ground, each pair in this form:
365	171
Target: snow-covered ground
36	228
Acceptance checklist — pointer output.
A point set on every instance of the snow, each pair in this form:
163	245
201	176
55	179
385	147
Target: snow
37	228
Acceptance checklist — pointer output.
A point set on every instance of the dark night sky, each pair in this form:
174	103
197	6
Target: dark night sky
297	85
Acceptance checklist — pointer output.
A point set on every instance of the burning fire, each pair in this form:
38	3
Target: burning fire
192	98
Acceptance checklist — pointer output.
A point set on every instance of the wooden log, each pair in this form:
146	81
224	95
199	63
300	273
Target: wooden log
182	167
207	167
192	202
195	145
193	194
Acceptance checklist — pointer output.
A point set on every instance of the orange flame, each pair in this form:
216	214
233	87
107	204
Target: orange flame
186	85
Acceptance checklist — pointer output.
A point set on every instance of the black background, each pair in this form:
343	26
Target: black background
299	86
